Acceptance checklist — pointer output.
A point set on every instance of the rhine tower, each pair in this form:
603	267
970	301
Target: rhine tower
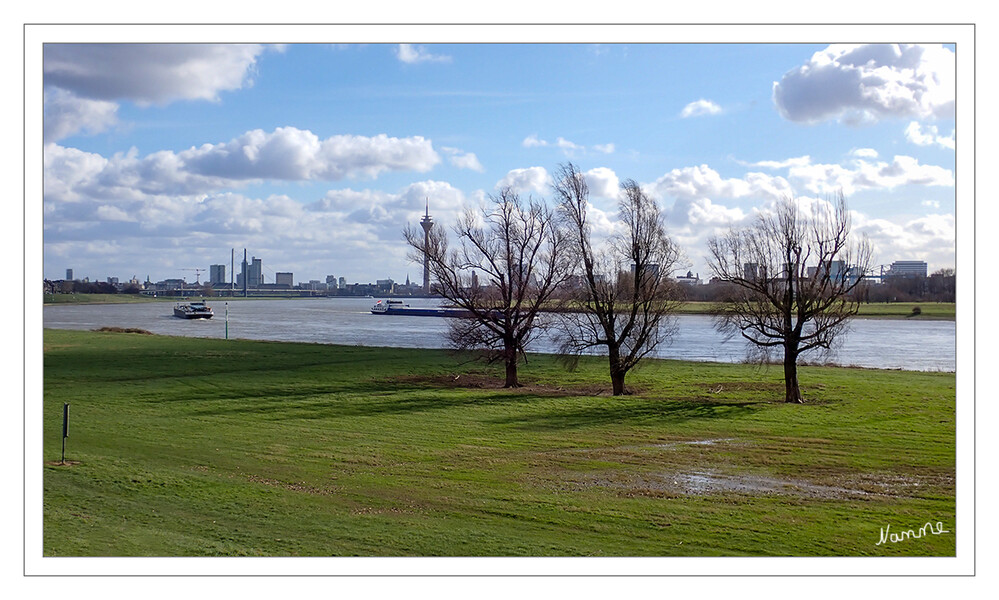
427	223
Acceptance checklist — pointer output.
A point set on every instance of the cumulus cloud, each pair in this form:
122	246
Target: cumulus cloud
286	154
860	174
66	115
866	83
292	154
85	82
929	136
700	108
149	73
861	171
930	238
603	182
463	160
531	179
700	182
410	54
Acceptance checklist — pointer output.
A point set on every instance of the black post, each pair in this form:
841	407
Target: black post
65	429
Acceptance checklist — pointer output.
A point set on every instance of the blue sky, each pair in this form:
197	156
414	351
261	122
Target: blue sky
161	158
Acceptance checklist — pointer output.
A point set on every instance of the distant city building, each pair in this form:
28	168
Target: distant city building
69	274
252	275
342	282
113	281
649	271
284	279
331	282
689	279
750	271
907	268
216	274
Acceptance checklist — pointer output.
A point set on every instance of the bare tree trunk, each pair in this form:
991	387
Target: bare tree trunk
511	373
616	372
617	382
791	391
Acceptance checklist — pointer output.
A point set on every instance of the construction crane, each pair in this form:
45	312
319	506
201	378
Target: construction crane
197	274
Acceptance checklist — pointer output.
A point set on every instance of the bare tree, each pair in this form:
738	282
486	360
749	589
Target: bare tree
793	277
626	296
508	260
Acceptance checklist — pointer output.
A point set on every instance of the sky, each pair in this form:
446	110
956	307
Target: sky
160	159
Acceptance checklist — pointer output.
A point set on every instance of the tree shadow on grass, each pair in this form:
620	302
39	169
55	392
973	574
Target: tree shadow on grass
531	407
640	411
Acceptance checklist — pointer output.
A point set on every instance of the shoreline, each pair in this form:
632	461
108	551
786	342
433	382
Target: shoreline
929	311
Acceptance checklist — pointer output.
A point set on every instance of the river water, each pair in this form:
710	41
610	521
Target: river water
877	343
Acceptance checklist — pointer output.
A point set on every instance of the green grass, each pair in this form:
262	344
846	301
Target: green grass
197	447
895	310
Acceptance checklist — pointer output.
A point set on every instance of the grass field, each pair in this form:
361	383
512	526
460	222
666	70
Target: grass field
198	447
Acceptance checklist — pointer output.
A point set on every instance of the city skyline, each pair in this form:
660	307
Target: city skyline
317	156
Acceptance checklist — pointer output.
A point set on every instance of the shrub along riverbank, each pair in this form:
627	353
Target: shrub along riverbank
191	447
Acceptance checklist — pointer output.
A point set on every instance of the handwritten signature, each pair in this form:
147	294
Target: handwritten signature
907	534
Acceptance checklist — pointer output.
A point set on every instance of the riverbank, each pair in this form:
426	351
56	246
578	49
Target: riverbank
193	447
895	310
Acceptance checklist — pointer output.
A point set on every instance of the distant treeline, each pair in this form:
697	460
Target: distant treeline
938	287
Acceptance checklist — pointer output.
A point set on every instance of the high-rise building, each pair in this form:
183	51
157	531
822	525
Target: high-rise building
284	279
69	274
216	274
331	282
427	223
907	268
252	275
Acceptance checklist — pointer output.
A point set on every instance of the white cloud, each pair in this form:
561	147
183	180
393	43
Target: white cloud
286	154
84	82
692	183
863	174
700	108
603	182
864	153
781	164
66	115
532	141
463	160
930	238
568	147
865	83
531	179
410	54
915	134
149	73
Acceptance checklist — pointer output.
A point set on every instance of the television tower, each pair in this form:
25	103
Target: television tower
427	223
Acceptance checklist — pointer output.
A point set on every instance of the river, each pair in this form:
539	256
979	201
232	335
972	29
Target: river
877	343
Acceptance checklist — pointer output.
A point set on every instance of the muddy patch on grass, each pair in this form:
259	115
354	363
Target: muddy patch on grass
707	442
709	483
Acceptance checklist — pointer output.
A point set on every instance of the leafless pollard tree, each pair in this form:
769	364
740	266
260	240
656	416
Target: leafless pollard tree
624	295
794	273
507	261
